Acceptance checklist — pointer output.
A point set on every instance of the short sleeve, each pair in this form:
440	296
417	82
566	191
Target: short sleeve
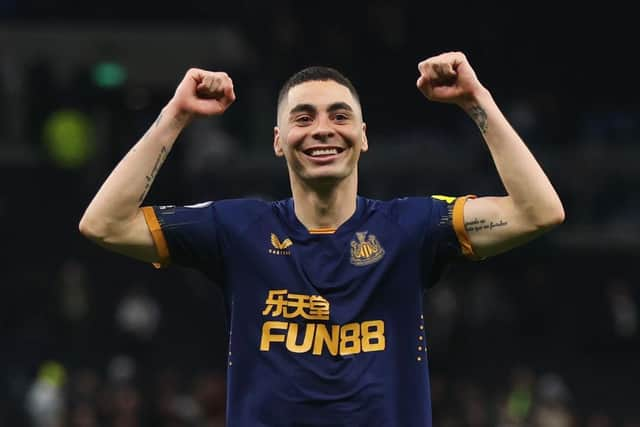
448	237
447	222
186	235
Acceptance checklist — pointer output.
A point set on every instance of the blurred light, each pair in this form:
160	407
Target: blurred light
109	75
519	404
68	137
52	373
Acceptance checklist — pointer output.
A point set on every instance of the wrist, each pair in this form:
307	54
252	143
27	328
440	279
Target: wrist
177	117
475	99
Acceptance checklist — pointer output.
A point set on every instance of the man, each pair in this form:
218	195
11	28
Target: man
324	291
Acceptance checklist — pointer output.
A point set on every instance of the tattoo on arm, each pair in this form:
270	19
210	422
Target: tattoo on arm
480	117
155	124
154	171
482	224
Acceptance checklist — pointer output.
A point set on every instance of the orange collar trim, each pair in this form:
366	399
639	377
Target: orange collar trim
322	230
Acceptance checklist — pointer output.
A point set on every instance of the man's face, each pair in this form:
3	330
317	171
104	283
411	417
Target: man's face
320	131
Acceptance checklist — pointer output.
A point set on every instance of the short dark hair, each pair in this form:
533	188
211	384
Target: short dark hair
317	73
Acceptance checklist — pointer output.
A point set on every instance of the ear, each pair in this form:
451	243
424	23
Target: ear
277	148
365	142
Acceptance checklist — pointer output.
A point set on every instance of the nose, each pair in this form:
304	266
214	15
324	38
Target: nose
323	129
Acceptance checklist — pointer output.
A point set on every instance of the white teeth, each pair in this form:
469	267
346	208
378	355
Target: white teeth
324	152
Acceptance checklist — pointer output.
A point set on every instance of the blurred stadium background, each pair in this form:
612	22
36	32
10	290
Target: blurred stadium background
547	335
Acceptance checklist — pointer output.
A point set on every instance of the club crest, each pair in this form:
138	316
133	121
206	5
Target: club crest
365	249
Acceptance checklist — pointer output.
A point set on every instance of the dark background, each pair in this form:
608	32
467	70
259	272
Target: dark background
545	335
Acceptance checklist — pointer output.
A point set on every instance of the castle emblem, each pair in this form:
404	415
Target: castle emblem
365	249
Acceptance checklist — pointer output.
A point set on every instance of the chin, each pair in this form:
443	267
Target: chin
325	174
327	177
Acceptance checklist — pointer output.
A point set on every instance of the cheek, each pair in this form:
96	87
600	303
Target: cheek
352	136
294	138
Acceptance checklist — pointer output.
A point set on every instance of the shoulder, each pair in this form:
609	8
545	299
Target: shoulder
402	206
244	204
418	211
411	204
240	211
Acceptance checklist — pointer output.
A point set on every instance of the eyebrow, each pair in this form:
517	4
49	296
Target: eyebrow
312	109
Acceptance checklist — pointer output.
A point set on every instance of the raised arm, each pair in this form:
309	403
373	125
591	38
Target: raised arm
113	219
531	206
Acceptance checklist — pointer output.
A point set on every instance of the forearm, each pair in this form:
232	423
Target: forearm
122	193
527	185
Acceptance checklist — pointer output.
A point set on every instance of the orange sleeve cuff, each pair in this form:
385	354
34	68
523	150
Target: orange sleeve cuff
458	227
158	236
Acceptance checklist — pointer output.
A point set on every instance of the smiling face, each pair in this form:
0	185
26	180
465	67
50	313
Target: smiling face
320	131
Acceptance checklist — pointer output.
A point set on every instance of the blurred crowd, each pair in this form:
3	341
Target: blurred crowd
172	399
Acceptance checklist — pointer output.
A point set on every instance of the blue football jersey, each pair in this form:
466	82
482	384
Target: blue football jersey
326	326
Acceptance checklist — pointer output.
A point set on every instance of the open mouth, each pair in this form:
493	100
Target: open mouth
323	152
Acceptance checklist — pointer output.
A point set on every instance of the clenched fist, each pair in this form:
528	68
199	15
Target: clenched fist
448	78
203	92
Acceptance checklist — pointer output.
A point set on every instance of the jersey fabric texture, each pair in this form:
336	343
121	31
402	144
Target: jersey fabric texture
325	326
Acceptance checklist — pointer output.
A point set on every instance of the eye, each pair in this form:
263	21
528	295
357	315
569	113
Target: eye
341	117
305	119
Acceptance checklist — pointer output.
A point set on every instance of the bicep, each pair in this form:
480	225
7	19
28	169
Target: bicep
133	239
494	225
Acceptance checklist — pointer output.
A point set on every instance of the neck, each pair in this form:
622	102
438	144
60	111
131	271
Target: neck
325	204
